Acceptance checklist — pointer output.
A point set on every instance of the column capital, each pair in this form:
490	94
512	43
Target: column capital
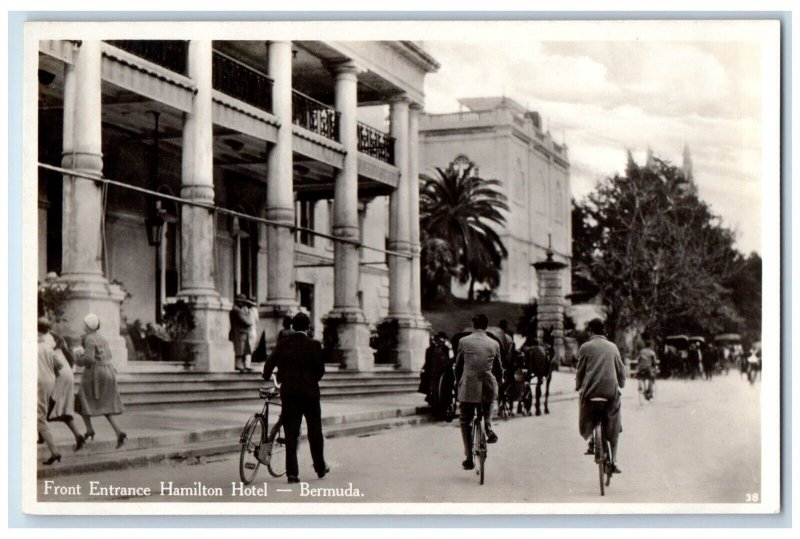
343	68
399	99
417	108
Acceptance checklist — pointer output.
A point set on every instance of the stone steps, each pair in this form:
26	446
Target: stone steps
143	390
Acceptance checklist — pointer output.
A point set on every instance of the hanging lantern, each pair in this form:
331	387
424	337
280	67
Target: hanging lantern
155	226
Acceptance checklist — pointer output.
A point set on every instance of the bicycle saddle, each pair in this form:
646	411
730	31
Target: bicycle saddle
267	392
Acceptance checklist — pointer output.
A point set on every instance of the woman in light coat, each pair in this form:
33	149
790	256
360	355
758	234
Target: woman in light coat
46	375
98	393
63	401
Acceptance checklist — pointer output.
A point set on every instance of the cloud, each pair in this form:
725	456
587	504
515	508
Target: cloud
605	97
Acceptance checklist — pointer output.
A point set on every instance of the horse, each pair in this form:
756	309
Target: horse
541	362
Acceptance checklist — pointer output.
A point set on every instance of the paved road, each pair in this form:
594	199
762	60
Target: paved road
698	442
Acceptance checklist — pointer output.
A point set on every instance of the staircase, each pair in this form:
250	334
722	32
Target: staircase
150	389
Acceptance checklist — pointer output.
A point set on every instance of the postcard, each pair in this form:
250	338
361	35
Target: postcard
401	267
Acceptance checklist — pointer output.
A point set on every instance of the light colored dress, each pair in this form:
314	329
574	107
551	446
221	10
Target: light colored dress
46	382
98	393
252	332
64	390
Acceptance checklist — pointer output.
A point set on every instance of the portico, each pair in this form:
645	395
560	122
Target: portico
304	184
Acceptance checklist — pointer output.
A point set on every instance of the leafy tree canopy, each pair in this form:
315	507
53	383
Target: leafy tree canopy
659	259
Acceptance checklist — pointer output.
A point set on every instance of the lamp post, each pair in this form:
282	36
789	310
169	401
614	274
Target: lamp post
155	222
155	231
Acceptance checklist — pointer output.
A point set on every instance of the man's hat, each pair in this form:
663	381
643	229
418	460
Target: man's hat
240	298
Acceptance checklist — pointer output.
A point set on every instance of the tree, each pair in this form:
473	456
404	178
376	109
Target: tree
465	211
657	254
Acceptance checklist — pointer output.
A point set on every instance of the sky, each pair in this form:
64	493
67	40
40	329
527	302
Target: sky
602	98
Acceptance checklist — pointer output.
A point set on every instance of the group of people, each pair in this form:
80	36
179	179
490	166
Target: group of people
479	375
98	393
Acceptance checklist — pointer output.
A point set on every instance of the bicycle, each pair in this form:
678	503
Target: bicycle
602	447
479	444
446	395
646	389
266	445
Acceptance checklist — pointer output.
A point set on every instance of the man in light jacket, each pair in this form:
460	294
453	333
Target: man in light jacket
601	375
478	371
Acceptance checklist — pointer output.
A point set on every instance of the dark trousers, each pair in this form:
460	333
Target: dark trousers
465	416
294	409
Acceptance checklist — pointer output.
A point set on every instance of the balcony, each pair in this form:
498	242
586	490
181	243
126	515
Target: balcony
315	116
375	144
169	54
240	81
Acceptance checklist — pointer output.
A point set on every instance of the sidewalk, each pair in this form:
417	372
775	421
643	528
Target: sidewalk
180	433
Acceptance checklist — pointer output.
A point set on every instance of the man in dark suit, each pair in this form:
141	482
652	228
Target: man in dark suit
298	359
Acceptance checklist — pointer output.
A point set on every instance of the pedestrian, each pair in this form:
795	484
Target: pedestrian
252	332
98	394
601	375
479	372
286	331
694	358
239	333
709	359
47	372
63	401
298	360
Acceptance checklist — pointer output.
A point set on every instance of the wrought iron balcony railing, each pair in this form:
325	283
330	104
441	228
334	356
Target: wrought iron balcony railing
375	143
169	54
315	116
238	80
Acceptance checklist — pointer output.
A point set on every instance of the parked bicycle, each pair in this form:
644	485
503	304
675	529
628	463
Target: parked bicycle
262	443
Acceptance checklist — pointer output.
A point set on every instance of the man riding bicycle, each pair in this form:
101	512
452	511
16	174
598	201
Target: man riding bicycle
646	368
478	370
600	376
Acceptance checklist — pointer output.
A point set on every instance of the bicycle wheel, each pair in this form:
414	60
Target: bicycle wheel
276	450
446	398
250	440
640	392
599	457
479	449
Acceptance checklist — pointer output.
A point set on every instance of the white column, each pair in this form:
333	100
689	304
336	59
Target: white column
280	193
82	251
413	204
352	329
197	224
399	214
208	344
83	208
345	202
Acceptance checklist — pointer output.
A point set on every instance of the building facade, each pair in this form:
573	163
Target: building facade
506	142
267	184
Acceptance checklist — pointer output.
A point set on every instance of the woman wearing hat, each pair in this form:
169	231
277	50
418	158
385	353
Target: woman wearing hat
240	327
98	393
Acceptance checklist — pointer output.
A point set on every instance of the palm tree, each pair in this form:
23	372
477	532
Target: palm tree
465	211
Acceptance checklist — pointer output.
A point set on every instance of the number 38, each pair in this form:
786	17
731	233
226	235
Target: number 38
751	497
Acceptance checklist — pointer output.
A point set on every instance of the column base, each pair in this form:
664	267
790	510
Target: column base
413	339
208	347
94	295
351	344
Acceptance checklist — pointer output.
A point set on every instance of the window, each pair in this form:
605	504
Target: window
305	297
245	249
304	218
